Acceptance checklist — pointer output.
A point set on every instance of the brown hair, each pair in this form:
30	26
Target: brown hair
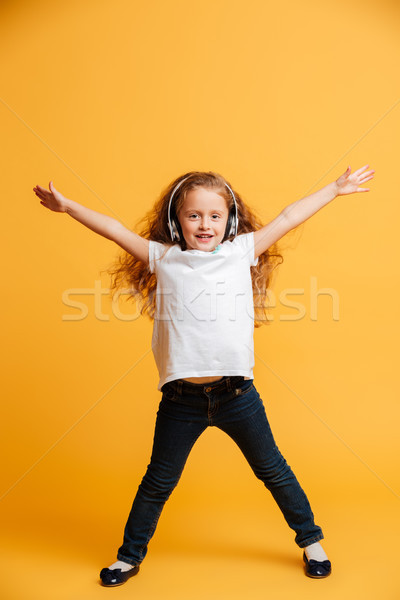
154	226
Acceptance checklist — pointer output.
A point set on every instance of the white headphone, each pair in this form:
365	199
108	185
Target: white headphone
231	226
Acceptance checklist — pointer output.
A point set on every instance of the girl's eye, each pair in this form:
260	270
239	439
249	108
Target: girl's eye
194	215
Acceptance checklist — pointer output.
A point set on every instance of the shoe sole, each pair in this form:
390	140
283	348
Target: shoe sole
317	576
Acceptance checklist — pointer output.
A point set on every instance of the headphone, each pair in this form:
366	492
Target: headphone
175	228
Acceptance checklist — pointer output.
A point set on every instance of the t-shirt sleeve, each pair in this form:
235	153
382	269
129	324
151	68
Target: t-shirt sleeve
156	250
246	243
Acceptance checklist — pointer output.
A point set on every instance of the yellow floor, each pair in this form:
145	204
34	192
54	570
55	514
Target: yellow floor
231	552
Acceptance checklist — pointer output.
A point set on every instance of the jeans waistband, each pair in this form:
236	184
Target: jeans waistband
228	383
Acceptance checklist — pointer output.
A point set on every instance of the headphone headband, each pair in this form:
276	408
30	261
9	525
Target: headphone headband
232	224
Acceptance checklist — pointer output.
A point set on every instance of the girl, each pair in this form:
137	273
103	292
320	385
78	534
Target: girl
200	261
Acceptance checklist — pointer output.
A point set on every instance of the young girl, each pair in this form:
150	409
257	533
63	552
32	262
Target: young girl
199	263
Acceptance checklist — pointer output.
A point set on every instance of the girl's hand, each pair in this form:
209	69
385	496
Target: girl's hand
348	183
51	199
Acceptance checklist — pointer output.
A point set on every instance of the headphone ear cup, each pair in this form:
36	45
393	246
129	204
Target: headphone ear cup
230	226
232	229
175	231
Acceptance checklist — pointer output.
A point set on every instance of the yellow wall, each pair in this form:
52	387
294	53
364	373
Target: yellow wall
112	101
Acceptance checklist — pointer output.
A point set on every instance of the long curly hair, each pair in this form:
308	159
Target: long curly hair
133	276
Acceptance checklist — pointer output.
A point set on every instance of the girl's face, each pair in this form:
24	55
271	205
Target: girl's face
203	219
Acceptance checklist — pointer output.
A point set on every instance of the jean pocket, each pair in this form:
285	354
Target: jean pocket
245	388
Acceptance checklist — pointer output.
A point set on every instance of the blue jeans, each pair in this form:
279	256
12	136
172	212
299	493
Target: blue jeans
185	411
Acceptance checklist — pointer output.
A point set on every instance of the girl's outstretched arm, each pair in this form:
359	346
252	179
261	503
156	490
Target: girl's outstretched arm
102	224
296	213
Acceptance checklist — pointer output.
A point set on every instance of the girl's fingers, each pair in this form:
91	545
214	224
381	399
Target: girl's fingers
360	170
39	187
364	179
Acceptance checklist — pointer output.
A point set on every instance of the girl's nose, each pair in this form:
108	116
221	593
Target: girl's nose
204	223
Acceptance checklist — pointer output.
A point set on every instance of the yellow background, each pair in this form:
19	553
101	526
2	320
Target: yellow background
112	101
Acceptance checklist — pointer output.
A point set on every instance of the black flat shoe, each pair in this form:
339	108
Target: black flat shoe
317	569
112	577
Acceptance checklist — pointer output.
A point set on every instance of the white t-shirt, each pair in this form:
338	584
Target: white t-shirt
204	316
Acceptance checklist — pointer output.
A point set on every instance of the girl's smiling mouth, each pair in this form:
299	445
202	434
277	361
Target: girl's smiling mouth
204	237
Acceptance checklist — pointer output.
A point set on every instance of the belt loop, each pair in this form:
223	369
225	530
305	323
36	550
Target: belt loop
180	384
229	384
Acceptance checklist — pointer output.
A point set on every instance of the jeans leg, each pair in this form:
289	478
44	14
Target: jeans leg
174	437
251	432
